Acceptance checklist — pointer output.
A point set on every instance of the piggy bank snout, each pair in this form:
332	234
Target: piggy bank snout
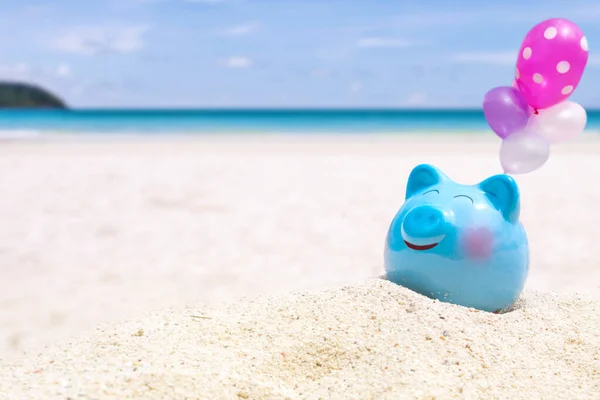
424	221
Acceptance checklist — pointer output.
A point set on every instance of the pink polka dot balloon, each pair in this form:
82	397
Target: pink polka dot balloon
551	62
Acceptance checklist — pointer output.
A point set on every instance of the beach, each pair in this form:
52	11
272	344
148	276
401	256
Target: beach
245	267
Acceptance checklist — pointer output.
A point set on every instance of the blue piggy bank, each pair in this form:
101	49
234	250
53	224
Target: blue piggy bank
458	243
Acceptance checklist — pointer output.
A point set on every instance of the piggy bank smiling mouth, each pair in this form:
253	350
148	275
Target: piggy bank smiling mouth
423	247
420	244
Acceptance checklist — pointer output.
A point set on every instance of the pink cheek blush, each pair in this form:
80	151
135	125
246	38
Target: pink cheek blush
478	243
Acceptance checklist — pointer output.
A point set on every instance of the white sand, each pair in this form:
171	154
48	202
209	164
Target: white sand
98	232
374	341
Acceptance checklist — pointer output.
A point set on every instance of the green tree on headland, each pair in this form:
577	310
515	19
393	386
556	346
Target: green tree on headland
25	95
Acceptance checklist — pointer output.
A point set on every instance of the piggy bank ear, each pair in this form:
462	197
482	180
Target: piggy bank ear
422	177
503	193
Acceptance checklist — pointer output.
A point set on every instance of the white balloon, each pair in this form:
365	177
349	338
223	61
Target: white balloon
524	152
559	123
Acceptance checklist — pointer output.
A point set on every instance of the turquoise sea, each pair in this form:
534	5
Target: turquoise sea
144	121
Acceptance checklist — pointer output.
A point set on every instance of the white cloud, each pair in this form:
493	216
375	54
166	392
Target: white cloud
416	99
383	42
92	40
320	73
185	1
240	30
15	72
498	58
205	1
77	90
236	62
63	70
436	19
356	87
25	71
333	54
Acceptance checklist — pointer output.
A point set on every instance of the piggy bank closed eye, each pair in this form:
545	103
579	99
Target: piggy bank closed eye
461	244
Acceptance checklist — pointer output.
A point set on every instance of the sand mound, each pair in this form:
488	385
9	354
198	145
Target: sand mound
370	341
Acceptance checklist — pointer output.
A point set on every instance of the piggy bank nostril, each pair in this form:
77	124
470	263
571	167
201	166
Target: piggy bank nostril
424	221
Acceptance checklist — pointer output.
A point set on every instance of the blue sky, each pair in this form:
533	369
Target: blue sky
279	53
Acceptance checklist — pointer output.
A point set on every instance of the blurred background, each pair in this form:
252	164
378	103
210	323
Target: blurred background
178	56
92	233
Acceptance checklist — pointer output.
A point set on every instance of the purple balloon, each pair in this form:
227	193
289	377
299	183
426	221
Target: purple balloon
506	110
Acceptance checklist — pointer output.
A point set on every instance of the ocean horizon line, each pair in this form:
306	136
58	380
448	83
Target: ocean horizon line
261	120
258	109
